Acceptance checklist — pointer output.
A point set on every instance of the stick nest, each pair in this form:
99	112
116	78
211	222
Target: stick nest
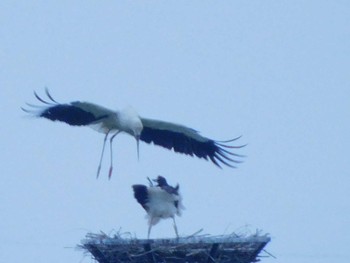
123	247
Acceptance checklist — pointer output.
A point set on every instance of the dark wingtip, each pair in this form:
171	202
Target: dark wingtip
231	140
49	95
32	112
40	99
36	109
25	110
223	155
215	162
224	143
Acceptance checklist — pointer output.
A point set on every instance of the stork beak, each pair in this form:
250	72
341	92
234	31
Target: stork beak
138	146
150	181
155	179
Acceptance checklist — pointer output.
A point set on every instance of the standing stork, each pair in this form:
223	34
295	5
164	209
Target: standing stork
160	201
166	134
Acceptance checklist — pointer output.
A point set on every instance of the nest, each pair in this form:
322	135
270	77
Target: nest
196	248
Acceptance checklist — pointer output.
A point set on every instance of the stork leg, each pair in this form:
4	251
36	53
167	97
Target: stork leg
103	149
175	228
110	145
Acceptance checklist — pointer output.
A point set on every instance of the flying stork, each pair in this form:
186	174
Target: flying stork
166	134
160	201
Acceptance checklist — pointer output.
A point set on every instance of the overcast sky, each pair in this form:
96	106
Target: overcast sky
276	72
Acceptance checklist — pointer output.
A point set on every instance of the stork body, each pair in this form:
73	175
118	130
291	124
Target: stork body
168	135
161	201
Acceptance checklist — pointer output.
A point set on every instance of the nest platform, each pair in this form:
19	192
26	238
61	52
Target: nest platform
205	248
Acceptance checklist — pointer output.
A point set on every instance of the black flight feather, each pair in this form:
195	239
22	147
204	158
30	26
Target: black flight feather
188	141
141	195
69	114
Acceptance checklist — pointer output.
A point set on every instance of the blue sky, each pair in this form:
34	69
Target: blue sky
275	72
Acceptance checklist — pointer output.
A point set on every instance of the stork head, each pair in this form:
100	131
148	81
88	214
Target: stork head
131	123
161	181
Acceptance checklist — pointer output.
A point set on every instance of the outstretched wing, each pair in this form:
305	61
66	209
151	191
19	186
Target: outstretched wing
188	141
74	113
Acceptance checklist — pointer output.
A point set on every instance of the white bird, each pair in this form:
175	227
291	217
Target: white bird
160	202
169	135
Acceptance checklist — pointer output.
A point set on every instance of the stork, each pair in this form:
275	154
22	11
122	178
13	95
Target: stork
160	201
166	134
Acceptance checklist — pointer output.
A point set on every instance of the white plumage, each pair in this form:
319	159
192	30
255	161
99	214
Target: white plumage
160	201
